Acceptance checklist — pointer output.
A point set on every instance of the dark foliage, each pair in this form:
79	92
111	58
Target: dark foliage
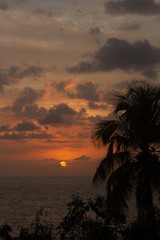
86	220
131	141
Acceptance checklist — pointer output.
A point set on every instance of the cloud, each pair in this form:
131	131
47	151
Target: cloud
50	160
27	71
62	114
6	80
109	95
21	136
3	6
82	158
69	161
61	86
58	115
25	106
14	74
87	90
32	111
95	31
93	105
74	135
95	119
48	12
26	126
45	12
5	128
143	7
129	26
120	54
26	97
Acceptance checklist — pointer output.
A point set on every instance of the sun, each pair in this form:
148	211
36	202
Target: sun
63	164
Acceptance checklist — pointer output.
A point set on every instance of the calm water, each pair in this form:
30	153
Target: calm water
22	197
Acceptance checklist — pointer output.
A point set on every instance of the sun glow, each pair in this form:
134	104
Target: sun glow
63	164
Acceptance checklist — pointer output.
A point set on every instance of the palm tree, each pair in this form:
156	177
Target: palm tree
131	141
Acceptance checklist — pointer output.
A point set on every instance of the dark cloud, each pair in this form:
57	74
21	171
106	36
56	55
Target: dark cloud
120	54
26	71
21	136
62	114
6	80
82	158
87	90
3	6
70	161
26	97
25	106
50	160
26	126
144	7
61	86
33	111
5	128
14	74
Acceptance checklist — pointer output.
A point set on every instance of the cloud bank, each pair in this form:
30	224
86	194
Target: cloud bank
142	7
62	115
120	54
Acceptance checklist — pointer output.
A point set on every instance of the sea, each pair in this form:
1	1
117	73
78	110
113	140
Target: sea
22	197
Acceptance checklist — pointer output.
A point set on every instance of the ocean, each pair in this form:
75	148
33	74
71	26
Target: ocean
22	197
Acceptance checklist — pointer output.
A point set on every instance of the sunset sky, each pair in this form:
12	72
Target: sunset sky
60	63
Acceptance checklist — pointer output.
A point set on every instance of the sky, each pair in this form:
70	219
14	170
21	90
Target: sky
60	65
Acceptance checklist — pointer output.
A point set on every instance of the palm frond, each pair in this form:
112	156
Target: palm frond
120	185
104	131
100	175
144	197
111	162
137	128
106	166
121	143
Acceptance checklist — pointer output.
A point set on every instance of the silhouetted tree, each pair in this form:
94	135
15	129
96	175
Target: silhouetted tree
131	141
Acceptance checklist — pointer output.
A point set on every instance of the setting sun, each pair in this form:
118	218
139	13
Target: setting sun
63	164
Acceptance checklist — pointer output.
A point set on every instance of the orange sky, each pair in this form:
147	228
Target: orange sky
61	62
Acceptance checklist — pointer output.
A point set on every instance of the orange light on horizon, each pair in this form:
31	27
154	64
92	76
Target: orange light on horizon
63	164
